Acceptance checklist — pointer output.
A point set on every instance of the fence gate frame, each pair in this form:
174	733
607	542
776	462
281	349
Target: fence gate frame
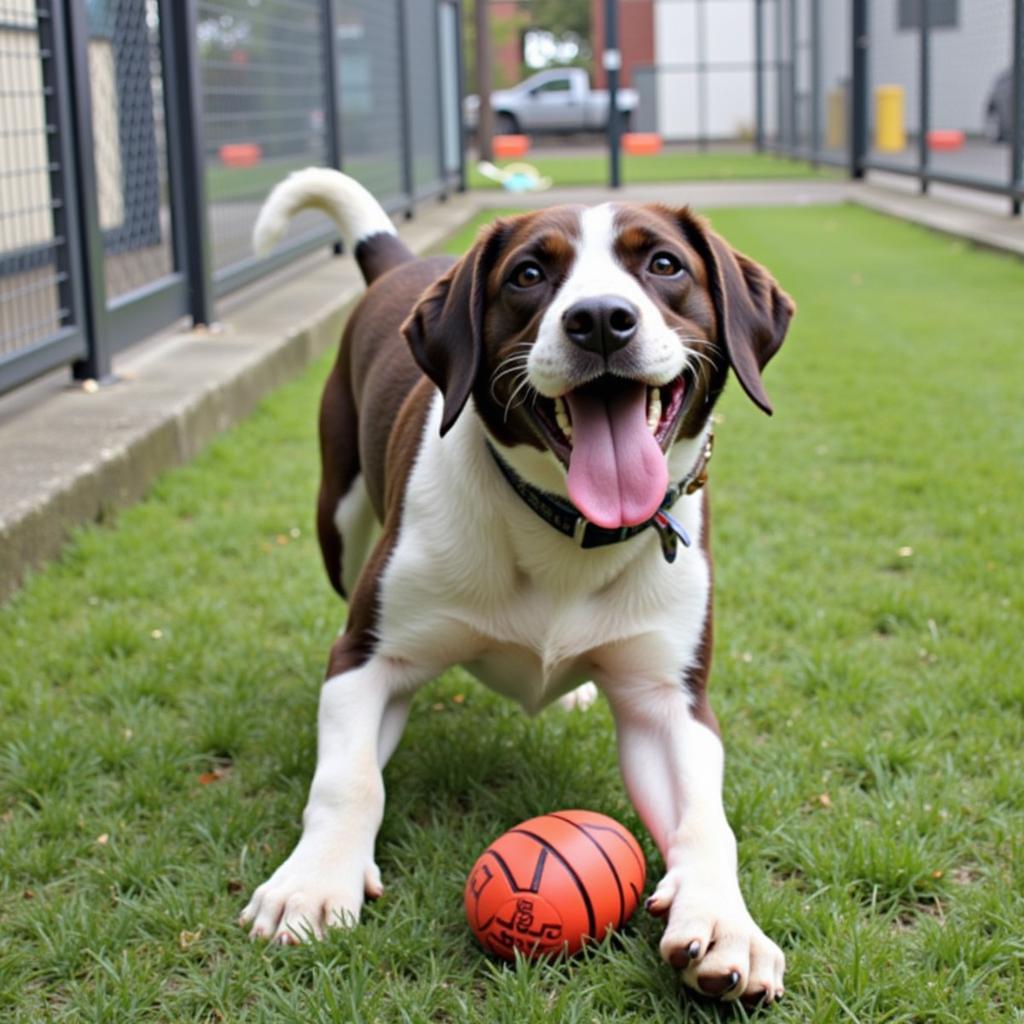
91	327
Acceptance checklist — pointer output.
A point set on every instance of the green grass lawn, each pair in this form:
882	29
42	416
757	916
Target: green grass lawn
159	685
588	169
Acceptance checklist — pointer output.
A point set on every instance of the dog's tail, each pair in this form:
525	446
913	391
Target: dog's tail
366	228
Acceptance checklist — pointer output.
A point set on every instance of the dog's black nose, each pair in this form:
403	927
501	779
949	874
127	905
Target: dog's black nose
601	325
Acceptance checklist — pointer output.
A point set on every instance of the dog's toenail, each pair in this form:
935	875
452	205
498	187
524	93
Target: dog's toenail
716	986
693	949
679	960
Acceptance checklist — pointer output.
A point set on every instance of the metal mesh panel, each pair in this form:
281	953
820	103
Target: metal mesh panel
803	72
969	54
728	86
969	63
130	144
370	88
702	86
785	78
770	72
30	283
646	118
449	71
676	90
421	51
1020	111
263	99
892	61
833	111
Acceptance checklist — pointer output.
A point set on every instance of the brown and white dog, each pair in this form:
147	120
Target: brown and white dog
502	439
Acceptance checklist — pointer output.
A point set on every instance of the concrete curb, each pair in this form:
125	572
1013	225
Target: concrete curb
71	457
998	233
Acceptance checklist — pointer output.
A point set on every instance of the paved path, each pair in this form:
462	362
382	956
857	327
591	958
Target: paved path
68	456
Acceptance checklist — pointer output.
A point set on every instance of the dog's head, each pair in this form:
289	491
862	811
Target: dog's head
599	336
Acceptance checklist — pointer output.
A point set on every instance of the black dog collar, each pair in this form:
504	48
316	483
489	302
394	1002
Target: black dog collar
564	517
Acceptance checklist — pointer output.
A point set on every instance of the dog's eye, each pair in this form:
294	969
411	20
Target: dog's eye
526	275
664	264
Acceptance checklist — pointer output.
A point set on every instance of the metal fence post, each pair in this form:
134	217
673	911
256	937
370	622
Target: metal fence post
780	92
332	113
50	22
442	134
924	105
331	107
815	29
612	62
858	88
1017	107
98	362
759	71
702	72
460	70
403	79
794	121
186	156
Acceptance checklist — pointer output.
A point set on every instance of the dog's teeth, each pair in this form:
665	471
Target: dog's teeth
654	415
654	410
562	418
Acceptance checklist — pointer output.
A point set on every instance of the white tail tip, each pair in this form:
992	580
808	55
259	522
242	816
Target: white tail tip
355	211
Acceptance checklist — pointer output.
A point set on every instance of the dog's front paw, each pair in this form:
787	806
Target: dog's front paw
320	886
713	940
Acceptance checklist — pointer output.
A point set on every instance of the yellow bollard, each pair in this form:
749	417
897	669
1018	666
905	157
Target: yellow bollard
890	126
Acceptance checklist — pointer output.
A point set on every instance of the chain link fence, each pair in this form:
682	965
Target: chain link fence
932	89
264	111
139	137
129	142
706	91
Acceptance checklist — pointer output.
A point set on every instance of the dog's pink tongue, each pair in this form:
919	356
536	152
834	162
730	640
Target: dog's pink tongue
617	472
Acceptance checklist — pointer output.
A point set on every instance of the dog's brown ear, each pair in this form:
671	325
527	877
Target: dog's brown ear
446	327
751	310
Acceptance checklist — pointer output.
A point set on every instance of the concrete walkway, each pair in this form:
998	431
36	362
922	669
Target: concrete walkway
69	456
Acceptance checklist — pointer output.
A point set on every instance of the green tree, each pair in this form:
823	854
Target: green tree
560	17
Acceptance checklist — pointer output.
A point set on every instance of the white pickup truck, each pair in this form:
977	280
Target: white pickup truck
559	100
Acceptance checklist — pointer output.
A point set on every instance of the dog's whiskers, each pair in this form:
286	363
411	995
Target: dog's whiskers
702	359
524	382
513	363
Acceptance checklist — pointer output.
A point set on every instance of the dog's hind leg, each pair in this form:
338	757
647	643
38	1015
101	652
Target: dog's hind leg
339	473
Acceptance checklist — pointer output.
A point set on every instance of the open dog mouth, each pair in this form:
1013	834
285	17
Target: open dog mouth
612	435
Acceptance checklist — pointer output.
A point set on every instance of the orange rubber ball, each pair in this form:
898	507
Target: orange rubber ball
553	883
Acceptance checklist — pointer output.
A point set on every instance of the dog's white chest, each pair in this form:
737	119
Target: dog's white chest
478	579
